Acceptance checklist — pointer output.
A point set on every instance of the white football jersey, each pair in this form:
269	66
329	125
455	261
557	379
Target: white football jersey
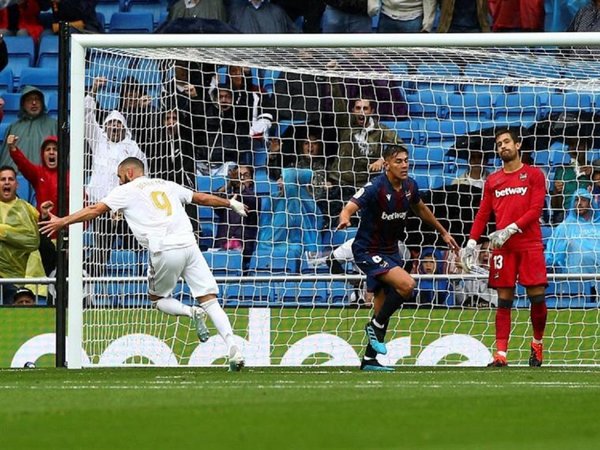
154	210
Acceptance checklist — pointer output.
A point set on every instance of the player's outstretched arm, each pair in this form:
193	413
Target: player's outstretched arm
426	215
349	210
55	223
200	198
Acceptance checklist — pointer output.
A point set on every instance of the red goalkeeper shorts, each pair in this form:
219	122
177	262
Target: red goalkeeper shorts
528	267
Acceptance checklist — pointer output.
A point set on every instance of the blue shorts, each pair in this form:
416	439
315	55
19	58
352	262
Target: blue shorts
374	265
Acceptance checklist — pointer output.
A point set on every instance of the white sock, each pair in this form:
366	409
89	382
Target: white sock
173	307
219	320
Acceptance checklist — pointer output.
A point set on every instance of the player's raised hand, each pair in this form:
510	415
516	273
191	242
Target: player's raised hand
449	240
53	225
46	207
238	206
11	141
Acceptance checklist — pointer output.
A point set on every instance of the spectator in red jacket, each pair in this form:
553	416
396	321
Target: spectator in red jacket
517	15
44	177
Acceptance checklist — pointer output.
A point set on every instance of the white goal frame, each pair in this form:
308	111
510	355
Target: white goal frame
80	43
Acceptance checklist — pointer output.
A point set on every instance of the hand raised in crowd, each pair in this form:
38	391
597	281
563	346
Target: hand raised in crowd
11	142
99	82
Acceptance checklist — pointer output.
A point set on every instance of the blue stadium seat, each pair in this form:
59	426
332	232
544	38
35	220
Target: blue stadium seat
248	294
515	107
303	293
438	71
339	292
108	7
122	262
410	131
224	262
12	106
101	20
21	53
427	103
25	190
123	22
44	79
155	7
444	132
183	294
424	155
470	106
52	105
6	81
208	183
570	101
48	53
335	238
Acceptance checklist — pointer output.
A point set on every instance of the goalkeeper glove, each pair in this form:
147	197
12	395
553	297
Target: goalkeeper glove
499	237
238	207
261	126
467	255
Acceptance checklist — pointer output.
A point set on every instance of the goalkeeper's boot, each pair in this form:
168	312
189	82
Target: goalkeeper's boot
499	361
537	355
236	360
376	336
199	320
372	365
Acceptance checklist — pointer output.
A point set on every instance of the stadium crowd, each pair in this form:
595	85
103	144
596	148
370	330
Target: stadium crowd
317	139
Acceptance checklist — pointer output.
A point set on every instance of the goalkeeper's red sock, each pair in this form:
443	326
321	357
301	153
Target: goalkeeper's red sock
502	329
539	313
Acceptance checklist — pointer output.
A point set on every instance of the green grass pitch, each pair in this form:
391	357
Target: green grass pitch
316	408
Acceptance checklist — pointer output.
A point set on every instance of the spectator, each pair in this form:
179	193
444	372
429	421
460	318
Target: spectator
19	236
406	16
361	140
235	232
142	118
260	16
517	15
476	174
473	292
587	18
567	179
110	144
311	155
81	14
560	14
432	291
309	10
43	177
463	16
32	126
596	183
198	9
292	221
346	16
24	297
574	246
21	19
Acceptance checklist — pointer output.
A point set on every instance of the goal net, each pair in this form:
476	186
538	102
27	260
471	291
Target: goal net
291	125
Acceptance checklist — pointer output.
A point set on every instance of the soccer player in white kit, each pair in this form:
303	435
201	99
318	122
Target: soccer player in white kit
153	209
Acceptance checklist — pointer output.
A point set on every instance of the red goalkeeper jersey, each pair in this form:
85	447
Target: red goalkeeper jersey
514	197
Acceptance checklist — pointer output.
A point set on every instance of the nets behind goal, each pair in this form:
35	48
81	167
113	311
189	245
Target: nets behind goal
195	113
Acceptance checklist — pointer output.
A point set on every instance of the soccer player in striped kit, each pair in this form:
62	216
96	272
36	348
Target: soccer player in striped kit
384	203
515	194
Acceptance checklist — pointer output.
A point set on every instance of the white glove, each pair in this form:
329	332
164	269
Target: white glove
499	237
261	126
373	7
238	207
467	255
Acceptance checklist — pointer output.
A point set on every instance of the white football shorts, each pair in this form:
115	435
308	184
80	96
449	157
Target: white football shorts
166	267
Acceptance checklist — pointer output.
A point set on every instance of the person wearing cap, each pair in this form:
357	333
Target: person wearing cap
32	126
43	177
574	246
23	297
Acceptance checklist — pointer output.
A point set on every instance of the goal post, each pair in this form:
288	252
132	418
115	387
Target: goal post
289	310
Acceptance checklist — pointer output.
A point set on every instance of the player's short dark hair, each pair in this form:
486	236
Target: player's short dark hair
132	161
513	134
7	167
393	150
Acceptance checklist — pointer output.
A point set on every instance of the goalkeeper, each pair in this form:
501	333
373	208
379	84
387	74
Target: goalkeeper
515	194
153	209
384	205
